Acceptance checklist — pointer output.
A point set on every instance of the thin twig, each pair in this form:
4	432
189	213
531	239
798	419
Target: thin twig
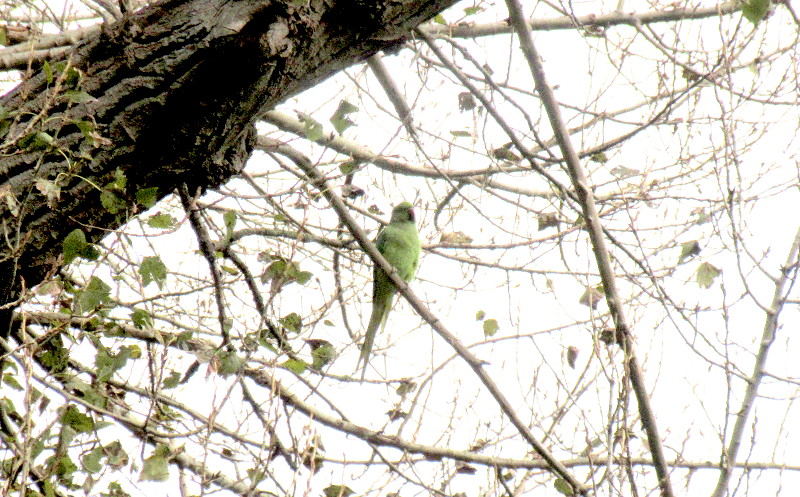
585	198
788	277
474	363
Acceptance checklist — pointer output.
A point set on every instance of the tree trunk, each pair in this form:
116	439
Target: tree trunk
176	90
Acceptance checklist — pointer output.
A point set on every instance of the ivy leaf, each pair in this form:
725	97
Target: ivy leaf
111	202
161	221
173	380
76	420
92	296
156	467
592	296
340	119
405	387
73	245
120	181
228	362
147	197
322	353
292	322
141	318
563	487
490	327
152	269
117	457
756	10
689	250
91	460
548	220
623	172
295	366
48	72
78	96
36	141
312	129
86	127
230	221
108	363
706	274
337	491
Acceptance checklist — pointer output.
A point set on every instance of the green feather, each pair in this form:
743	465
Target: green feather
399	244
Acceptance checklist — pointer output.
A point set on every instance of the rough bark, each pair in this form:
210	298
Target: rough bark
177	88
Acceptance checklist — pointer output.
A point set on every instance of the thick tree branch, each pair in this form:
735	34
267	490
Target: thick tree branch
168	95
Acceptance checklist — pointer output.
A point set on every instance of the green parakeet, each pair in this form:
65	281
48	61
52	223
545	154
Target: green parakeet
399	244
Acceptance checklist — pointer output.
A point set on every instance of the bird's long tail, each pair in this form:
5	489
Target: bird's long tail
380	312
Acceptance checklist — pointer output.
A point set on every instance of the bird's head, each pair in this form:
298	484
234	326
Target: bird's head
403	212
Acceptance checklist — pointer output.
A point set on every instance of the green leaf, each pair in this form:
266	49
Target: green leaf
76	420
406	387
120	181
64	467
230	219
473	10
689	250
141	318
348	167
548	220
312	129
599	157
48	72
623	172
161	221
86	127
91	460
563	487
173	380
156	467
78	96
108	363
460	133
117	457
340	119
292	322
706	274
229	362
756	10
480	315
439	19
73	78
282	272
296	366
490	327
114	490
147	197
92	296
337	491
10	380
36	141
72	245
322	353
152	269
111	202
